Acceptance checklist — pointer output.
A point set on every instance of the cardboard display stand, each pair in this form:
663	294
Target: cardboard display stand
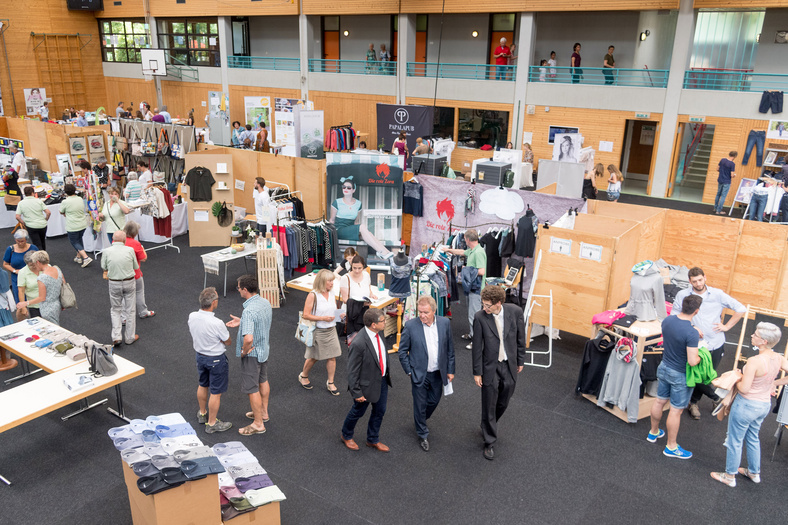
209	233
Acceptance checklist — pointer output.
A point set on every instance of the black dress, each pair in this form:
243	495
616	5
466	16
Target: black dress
589	192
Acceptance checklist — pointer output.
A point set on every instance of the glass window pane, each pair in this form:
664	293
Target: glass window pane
443	123
331	23
140	28
178	27
181	56
201	29
117	26
214	28
396	22
421	22
478	127
106	27
109	56
179	41
199	42
121	55
122	42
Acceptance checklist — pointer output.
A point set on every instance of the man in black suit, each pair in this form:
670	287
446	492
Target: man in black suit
368	380
498	356
426	352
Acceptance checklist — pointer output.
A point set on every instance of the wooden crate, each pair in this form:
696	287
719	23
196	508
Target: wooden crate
268	275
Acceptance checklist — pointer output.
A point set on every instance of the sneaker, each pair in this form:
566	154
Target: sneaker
467	337
202	418
220	426
469	346
694	411
86	262
652	438
755	478
678	453
78	259
722	477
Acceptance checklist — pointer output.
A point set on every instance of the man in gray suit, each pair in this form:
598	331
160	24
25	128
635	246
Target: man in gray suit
368	380
498	356
426	352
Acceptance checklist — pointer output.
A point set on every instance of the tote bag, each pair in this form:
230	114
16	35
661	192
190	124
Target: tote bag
176	148
305	331
148	146
67	297
136	144
164	142
121	142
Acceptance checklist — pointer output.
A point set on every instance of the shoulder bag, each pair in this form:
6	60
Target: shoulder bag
305	331
164	142
136	144
148	146
121	142
67	297
175	147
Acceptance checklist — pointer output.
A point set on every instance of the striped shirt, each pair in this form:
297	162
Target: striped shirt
255	320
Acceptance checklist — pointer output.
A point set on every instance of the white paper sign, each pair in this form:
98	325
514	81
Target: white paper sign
592	252
528	137
201	216
221	167
212	41
562	246
239	185
606	146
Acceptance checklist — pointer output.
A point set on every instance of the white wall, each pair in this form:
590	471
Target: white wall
656	50
620	98
363	30
458	46
771	57
273	36
595	31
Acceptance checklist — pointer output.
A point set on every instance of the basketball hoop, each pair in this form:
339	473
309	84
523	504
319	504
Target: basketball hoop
147	74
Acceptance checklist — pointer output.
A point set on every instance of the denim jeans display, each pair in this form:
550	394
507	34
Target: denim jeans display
757	139
744	424
757	207
771	100
722	193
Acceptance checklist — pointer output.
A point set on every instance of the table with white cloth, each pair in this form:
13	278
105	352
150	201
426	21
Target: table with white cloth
212	262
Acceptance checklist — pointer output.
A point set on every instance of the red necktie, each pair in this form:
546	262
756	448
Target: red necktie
380	355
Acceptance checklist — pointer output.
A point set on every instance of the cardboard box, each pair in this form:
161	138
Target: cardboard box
193	503
265	515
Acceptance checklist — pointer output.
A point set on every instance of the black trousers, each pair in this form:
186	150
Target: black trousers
38	237
495	399
716	357
425	400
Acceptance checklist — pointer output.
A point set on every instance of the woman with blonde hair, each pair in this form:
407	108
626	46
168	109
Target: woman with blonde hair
50	279
613	183
320	306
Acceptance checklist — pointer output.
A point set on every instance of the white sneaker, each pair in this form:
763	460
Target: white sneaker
86	262
469	346
78	259
756	478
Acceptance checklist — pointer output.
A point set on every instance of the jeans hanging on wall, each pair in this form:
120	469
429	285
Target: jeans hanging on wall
771	100
756	138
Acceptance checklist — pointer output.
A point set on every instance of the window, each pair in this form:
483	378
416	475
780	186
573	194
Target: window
191	41
478	127
443	123
121	40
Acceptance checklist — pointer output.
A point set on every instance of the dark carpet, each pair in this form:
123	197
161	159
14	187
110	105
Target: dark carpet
559	458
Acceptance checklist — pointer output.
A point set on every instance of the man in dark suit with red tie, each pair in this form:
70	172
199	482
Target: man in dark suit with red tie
498	356
426	352
368	380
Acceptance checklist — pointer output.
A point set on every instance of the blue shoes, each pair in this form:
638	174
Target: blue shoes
652	438
678	453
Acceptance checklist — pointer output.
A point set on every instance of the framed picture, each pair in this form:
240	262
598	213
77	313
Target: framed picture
553	130
771	157
78	145
96	143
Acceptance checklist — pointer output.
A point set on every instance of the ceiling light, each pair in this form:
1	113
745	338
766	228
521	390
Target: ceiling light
474	34
644	35
346	33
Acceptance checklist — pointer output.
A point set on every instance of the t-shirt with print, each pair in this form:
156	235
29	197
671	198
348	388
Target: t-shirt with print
677	336
726	168
477	258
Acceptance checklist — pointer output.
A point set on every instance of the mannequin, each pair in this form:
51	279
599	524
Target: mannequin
401	268
647	294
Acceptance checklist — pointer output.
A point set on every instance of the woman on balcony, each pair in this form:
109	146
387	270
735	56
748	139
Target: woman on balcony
371	58
577	73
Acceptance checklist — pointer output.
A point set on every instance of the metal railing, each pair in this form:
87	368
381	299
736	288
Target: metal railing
180	69
352	67
267	63
736	80
600	76
462	71
692	147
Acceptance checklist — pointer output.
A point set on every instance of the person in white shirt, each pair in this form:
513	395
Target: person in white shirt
210	337
262	200
145	176
18	163
166	115
552	64
44	111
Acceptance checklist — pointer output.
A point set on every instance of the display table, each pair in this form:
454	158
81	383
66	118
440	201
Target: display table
643	334
306	283
44	359
212	262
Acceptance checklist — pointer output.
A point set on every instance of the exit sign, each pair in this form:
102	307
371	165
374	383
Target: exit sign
697	119
642	115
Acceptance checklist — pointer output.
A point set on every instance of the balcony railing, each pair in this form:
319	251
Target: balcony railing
267	63
734	80
352	67
600	76
462	71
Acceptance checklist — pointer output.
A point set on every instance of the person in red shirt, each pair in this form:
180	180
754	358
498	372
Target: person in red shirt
502	54
132	229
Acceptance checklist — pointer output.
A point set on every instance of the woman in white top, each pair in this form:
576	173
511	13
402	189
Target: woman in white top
114	212
614	184
354	287
320	306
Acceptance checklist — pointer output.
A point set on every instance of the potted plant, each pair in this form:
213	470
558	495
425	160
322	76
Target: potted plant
236	231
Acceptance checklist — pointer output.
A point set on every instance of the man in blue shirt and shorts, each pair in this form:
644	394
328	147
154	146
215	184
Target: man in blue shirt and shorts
680	342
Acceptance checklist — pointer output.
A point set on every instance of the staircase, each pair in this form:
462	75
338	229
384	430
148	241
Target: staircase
180	70
698	167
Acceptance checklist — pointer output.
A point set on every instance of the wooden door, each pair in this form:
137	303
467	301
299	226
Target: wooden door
421	53
331	51
394	47
641	147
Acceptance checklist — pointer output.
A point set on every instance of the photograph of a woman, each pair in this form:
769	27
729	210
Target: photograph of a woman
345	212
567	147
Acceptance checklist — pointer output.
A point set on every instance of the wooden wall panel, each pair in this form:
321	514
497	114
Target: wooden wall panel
759	263
737	4
128	90
17	129
514	6
47	16
730	134
691	239
624	258
126	9
361	110
181	97
37	145
310	179
351	7
192	8
652	224
3	127
594	125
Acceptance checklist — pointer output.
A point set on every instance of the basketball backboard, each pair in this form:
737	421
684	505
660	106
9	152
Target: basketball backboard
153	62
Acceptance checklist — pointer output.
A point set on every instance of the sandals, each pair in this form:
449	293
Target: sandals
334	392
250	431
307	385
755	478
250	415
722	477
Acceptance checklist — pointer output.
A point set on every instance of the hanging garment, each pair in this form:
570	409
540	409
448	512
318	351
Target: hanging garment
200	180
400	277
490	245
621	384
412	198
647	296
594	363
163	225
527	227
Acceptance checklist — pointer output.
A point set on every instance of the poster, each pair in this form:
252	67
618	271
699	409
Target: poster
778	129
34	99
567	146
284	123
416	121
257	110
647	135
309	133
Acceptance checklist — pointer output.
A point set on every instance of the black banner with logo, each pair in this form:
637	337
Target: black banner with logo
380	175
416	121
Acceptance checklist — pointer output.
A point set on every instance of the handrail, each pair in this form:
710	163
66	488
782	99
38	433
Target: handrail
180	68
352	67
692	147
267	63
654	78
504	73
734	80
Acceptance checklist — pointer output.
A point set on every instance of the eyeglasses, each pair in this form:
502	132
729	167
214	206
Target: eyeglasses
487	306
755	334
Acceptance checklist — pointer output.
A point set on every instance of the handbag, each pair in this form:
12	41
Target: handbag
121	142
724	408
225	216
100	359
148	146
164	142
67	297
176	150
305	331
136	144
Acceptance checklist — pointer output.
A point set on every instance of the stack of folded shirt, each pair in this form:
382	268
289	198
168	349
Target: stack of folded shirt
245	485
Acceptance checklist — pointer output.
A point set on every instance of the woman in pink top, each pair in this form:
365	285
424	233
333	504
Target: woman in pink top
752	405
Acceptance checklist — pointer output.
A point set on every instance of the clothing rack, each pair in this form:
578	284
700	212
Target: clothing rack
451	227
348	125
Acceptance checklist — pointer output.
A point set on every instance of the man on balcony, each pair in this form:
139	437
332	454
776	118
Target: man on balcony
502	54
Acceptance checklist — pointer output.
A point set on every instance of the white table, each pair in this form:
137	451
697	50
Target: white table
45	359
212	262
305	283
